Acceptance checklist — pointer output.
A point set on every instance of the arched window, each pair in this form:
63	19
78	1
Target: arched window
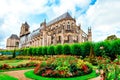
68	26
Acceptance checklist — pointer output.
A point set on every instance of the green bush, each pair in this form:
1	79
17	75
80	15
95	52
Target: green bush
66	49
86	48
44	50
102	48
40	50
51	50
76	49
30	51
59	49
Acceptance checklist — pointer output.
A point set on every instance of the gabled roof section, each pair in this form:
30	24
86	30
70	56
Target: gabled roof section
63	16
13	36
25	24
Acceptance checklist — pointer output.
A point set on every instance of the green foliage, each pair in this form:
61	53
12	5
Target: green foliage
14	54
40	50
115	47
44	50
76	49
30	51
111	48
59	49
86	48
51	50
111	37
34	51
66	49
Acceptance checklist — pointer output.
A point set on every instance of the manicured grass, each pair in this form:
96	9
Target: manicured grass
15	69
30	74
13	62
6	77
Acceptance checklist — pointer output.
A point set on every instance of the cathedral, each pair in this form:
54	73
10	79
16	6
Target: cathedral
60	30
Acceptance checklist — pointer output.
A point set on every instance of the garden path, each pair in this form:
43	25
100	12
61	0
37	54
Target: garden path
97	78
18	74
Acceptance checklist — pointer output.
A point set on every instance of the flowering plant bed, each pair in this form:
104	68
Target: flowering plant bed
30	74
63	67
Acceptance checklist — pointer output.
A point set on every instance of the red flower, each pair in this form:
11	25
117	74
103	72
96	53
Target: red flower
85	68
43	74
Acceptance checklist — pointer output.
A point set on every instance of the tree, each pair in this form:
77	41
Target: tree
111	37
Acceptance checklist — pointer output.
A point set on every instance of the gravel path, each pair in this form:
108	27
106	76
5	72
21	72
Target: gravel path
18	74
97	78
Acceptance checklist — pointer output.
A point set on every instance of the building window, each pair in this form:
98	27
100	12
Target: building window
59	38
26	29
68	27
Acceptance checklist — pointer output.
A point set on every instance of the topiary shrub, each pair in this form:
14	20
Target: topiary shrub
44	50
30	51
39	50
51	50
76	49
59	49
66	49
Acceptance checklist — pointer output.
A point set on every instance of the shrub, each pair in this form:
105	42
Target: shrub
59	49
14	55
76	49
51	50
44	50
40	50
86	48
66	49
115	49
34	51
30	51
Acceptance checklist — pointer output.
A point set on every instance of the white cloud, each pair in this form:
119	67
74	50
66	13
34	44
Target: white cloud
104	18
65	5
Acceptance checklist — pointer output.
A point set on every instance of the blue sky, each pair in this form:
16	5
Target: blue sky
101	15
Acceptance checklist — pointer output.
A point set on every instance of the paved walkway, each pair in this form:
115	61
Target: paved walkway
18	74
97	78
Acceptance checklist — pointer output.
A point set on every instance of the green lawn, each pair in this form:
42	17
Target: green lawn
6	77
30	74
13	62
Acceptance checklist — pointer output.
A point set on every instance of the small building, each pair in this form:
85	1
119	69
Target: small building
12	42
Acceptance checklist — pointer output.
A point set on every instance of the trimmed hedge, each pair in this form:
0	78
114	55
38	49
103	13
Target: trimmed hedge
66	49
59	49
51	50
103	48
76	49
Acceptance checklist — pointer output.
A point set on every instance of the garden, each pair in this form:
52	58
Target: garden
81	61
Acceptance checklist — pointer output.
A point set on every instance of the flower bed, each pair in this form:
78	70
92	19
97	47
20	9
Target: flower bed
63	67
25	65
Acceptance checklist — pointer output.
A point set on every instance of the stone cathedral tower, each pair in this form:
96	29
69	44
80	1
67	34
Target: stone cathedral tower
24	29
89	34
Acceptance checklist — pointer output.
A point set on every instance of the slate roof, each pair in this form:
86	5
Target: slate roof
13	36
63	16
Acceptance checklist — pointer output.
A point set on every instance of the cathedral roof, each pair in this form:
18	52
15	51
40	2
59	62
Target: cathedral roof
63	16
25	24
13	36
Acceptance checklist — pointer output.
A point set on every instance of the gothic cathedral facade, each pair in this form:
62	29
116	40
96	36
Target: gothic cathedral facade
61	30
